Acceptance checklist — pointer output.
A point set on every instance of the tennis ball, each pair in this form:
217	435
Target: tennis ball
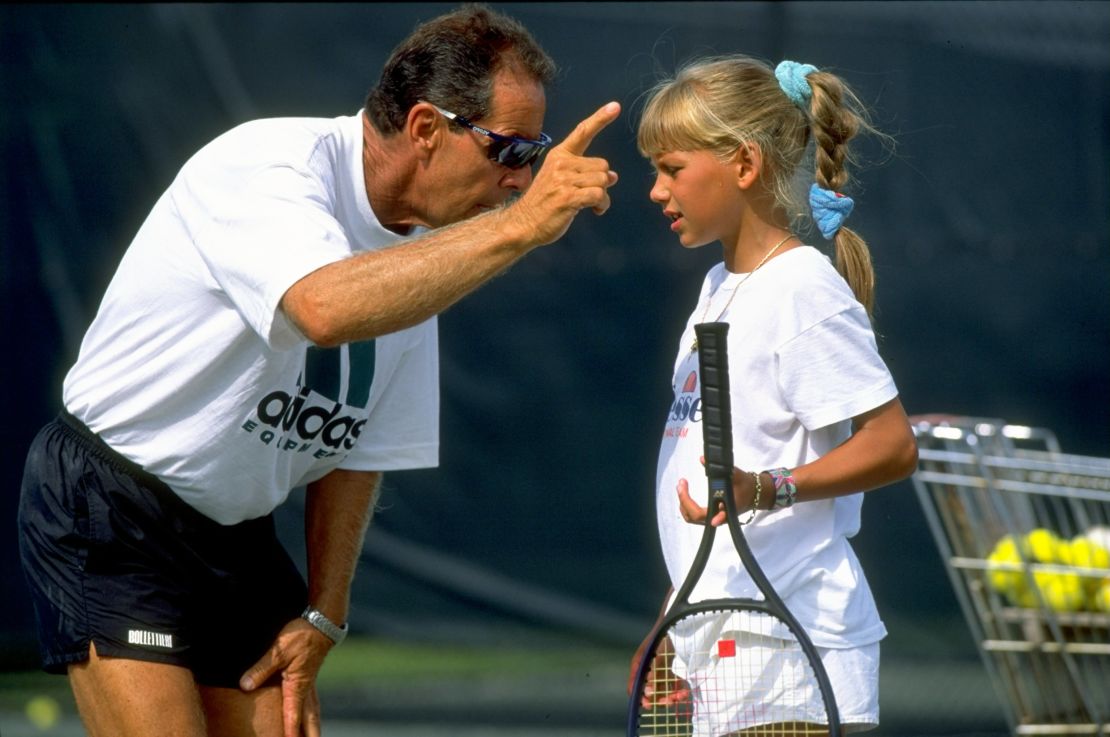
1081	552
1003	567
1062	592
1044	545
1100	599
43	712
1085	553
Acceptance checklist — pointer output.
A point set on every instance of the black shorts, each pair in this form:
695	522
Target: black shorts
114	557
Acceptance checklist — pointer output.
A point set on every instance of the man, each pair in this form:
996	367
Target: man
263	332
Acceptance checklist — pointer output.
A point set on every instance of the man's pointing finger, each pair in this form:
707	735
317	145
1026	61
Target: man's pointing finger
585	132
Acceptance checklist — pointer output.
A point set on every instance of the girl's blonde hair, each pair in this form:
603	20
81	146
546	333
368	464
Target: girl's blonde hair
722	104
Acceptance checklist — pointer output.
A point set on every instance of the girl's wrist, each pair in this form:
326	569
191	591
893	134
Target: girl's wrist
785	487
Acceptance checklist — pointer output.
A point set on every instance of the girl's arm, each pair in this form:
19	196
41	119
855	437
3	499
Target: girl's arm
881	451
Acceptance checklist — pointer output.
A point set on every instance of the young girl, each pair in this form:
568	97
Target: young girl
815	411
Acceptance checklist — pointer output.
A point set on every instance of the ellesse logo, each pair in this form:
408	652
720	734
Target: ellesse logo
686	408
687	405
691	383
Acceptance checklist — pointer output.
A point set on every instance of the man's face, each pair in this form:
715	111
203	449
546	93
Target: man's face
466	182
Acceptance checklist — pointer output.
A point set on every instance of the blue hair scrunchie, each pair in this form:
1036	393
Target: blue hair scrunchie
830	210
792	79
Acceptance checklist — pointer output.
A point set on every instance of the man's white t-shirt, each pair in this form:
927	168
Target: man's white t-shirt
802	362
191	369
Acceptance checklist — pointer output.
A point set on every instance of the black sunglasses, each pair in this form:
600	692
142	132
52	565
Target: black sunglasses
509	151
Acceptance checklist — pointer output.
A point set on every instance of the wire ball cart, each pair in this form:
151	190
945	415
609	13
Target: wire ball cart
1024	531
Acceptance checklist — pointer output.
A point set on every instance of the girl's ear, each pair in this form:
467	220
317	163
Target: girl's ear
749	165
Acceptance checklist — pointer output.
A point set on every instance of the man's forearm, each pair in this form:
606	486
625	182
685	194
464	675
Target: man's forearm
338	509
384	291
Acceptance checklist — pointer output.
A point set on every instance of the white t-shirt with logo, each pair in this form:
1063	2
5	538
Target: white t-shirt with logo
192	370
802	362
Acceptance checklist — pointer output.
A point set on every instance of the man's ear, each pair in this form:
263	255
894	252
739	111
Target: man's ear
748	160
424	129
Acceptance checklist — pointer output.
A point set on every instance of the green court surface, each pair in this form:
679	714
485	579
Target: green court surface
371	687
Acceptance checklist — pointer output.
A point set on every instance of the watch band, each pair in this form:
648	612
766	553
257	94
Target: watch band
330	629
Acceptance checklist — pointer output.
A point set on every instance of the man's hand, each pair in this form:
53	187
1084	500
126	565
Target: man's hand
297	654
568	182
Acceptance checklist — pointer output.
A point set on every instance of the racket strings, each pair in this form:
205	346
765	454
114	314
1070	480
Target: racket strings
725	673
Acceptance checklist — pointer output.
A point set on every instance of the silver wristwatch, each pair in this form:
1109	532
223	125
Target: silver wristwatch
331	630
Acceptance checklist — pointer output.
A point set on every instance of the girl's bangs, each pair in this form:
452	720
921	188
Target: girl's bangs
668	122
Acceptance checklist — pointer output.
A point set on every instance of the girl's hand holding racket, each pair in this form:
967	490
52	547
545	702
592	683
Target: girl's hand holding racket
743	491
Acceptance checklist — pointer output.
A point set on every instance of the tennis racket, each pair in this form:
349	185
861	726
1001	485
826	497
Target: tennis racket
728	666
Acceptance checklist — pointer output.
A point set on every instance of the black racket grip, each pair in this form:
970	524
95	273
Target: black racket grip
716	413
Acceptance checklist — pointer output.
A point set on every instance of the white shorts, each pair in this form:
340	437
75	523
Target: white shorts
853	673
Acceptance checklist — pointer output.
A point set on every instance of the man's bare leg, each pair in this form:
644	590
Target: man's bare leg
118	697
235	713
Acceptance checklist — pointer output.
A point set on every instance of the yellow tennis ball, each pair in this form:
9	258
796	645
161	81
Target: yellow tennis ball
1084	553
1003	567
43	712
1081	552
1100	599
1043	545
1062	592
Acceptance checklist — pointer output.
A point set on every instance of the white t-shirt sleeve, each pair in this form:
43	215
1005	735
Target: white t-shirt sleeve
832	371
402	430
259	239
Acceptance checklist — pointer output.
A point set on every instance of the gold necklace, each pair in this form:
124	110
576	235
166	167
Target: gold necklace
709	300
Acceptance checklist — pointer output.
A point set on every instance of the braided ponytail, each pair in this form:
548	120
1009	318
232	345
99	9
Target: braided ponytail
835	118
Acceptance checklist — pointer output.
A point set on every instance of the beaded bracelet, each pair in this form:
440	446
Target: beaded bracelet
755	501
786	490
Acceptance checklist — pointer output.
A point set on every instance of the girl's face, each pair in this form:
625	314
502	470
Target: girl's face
700	195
